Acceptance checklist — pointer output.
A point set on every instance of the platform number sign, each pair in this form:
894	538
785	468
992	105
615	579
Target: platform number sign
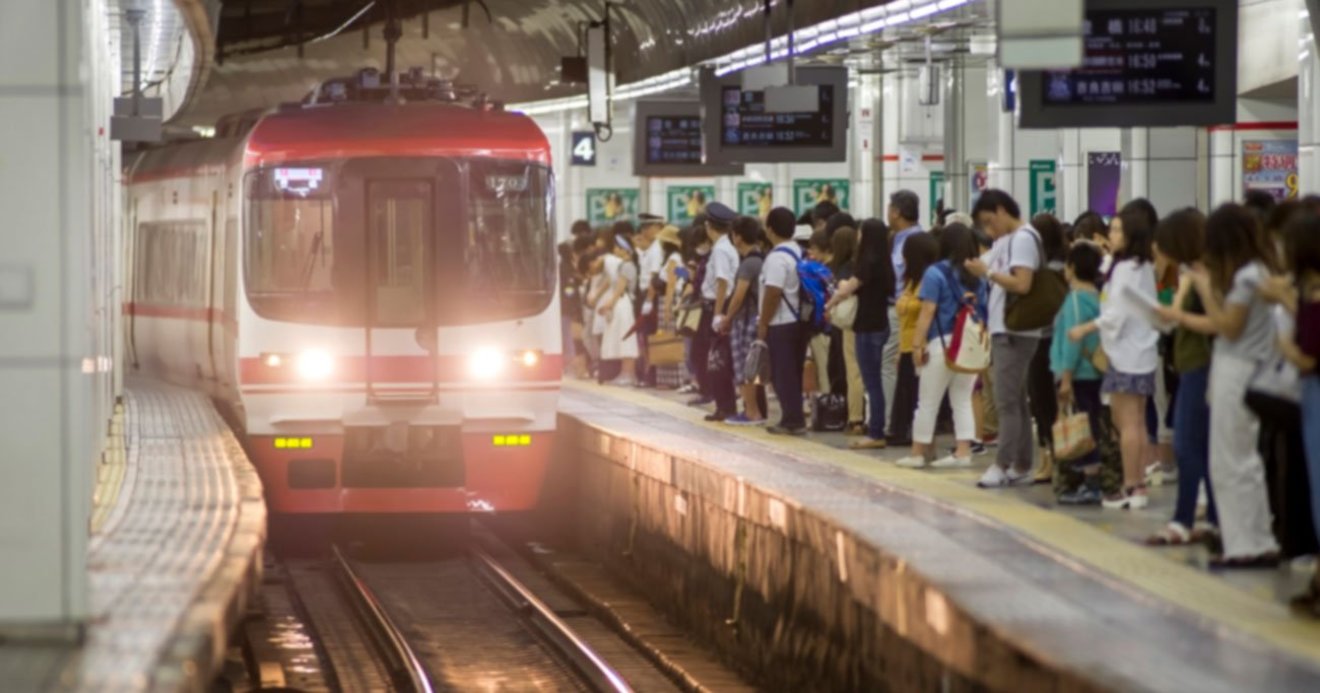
584	149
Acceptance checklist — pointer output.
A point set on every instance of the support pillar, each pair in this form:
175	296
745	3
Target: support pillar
955	138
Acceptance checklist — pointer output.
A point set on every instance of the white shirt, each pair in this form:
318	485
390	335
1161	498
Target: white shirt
1017	249
1127	331
650	263
723	265
780	271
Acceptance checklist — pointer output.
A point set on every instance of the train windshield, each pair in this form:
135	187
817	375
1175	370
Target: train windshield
400	242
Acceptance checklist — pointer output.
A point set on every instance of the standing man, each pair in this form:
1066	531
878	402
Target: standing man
1010	267
778	325
716	290
649	262
903	215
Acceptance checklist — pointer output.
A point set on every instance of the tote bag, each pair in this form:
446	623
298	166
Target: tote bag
844	313
968	348
1072	435
1275	392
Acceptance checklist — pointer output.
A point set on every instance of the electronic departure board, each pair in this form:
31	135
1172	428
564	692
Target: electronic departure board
743	121
1169	62
668	141
738	128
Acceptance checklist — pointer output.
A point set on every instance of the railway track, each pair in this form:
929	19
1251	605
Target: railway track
462	622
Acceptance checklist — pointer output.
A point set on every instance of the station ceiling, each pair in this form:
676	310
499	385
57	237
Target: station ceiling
269	51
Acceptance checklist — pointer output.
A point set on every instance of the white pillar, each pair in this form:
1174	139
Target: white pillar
1308	116
48	438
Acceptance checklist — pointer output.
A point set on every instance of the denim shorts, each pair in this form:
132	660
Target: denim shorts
1117	382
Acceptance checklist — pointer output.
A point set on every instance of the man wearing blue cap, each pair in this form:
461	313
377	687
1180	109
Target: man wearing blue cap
713	356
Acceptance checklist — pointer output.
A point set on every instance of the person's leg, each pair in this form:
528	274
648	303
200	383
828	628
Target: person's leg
932	382
989	412
1129	416
1086	398
964	424
819	345
904	407
701	355
786	360
856	389
1011	357
726	398
751	405
870	358
1310	440
889	365
1043	401
1236	469
1191	444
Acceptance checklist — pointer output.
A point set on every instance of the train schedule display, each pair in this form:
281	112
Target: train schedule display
668	142
738	127
1164	63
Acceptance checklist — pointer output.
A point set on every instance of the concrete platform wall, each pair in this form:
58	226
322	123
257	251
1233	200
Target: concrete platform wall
788	596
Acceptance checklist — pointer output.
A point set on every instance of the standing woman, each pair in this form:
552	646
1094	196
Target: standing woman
919	252
1040	379
1131	343
1238	261
872	284
843	264
1179	241
669	283
946	287
615	306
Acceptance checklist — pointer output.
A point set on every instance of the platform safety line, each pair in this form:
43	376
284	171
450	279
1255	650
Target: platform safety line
110	472
1194	590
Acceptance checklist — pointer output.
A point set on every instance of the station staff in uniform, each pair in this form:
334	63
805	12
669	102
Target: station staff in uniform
714	354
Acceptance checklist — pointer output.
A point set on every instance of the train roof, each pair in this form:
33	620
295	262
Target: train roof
376	129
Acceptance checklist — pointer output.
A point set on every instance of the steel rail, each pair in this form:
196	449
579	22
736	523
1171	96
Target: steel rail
590	666
386	633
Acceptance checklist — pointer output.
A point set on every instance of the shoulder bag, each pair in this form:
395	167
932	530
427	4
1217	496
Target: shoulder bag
968	348
1036	308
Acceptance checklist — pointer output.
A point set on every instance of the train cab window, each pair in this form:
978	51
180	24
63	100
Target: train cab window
399	213
290	243
510	238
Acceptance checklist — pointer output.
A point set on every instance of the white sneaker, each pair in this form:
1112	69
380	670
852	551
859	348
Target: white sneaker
912	462
994	477
952	462
1016	478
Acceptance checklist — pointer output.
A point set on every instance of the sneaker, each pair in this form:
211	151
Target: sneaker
991	441
742	420
700	401
719	416
994	477
1016	478
977	447
623	382
686	389
1126	500
912	462
783	431
1083	495
952	462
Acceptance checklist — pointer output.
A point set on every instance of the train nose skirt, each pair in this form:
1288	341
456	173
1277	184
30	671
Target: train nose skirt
389	457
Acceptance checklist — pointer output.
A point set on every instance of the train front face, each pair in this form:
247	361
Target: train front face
400	348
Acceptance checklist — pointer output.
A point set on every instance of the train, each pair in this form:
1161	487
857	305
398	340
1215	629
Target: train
364	282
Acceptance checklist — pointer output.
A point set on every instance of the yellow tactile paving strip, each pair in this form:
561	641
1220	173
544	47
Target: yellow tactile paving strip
1070	539
109	472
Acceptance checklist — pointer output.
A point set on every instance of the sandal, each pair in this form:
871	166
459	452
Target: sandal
1173	534
868	444
1264	560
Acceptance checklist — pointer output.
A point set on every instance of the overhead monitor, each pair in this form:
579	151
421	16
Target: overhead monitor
667	141
1146	63
746	130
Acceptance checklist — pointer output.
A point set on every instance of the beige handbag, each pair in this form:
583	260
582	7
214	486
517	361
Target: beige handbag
844	313
1072	435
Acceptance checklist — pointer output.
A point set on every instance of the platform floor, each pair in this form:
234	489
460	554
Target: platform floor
177	533
1156	610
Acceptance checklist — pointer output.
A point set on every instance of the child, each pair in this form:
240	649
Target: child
1072	362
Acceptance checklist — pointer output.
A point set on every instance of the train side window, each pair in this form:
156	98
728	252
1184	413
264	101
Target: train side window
290	253
510	239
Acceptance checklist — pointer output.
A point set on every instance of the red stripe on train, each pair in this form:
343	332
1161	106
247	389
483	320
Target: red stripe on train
399	369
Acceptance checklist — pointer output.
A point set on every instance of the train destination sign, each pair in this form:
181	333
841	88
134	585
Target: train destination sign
673	139
744	121
1169	62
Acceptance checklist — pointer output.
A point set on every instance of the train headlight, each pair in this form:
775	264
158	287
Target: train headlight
487	363
315	364
529	358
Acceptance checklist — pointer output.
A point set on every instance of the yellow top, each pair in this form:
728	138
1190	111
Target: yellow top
909	309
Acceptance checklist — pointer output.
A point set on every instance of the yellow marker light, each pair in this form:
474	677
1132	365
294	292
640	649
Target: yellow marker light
281	443
524	440
511	441
293	443
499	441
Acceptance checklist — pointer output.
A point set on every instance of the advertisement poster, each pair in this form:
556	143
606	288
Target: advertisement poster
608	205
936	193
687	201
978	179
1270	165
1104	175
756	199
808	192
1044	193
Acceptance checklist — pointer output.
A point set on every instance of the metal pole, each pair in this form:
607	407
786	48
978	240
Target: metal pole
134	18
791	77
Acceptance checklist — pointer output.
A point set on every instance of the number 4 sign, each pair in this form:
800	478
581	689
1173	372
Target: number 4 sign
584	149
